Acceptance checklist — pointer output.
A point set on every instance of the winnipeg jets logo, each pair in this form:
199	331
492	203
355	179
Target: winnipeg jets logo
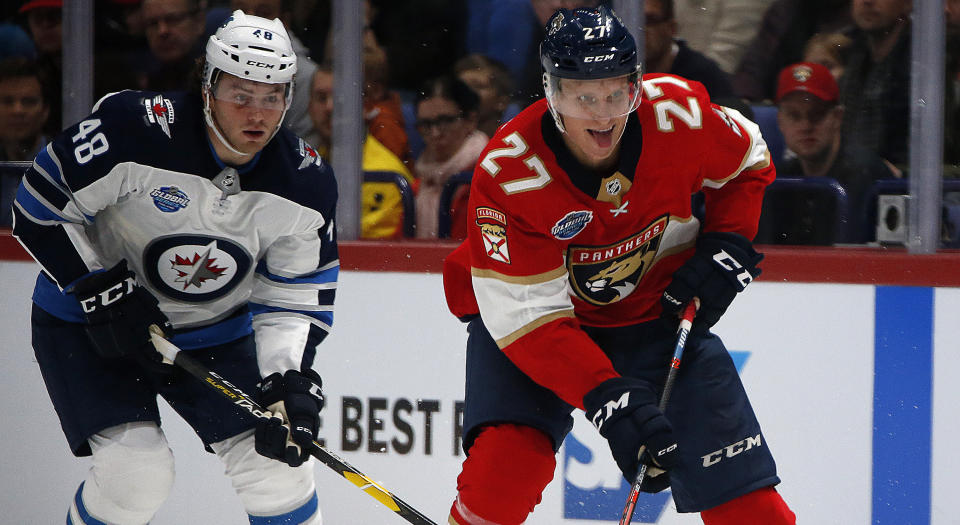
309	154
160	112
197	269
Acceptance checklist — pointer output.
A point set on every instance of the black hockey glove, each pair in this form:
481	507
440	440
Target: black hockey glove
721	267
119	313
295	398
625	412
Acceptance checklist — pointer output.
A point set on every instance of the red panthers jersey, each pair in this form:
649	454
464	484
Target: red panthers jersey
552	244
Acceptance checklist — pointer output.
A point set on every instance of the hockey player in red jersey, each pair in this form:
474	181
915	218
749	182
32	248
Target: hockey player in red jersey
583	247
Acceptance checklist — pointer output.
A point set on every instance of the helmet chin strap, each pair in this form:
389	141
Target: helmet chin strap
216	129
211	123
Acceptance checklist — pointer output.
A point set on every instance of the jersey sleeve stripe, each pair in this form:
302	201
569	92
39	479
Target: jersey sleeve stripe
559	272
37	203
321	279
509	339
508	308
35	210
48	164
46	190
322	319
755	155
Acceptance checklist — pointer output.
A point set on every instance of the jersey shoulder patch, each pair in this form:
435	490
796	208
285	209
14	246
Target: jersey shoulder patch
298	173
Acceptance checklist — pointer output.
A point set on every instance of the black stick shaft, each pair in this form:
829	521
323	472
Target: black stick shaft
228	390
682	332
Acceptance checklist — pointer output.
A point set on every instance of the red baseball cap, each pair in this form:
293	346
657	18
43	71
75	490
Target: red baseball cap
810	78
37	4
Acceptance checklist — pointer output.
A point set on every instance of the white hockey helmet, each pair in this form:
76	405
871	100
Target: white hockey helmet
253	48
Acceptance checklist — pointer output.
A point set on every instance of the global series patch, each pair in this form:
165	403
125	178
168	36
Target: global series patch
169	199
605	274
493	231
571	224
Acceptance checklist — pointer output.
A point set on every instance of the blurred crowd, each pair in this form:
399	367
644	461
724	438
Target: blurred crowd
828	81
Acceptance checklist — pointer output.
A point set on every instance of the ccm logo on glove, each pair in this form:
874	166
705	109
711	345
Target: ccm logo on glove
109	296
727	262
608	408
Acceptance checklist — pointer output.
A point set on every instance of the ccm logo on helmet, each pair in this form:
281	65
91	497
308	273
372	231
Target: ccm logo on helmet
731	450
259	64
598	58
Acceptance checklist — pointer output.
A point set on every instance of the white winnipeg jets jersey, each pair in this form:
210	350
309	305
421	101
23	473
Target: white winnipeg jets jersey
224	250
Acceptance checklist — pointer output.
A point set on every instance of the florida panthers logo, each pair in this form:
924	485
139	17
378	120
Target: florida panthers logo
605	274
195	268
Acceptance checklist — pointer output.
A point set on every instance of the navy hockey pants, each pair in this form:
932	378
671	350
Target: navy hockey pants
724	454
91	393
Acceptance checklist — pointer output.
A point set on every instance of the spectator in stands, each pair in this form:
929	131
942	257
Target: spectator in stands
422	38
491	81
382	216
667	54
447	121
16	42
510	31
811	118
120	47
298	118
174	31
828	50
875	87
720	29
382	107
44	22
783	33
23	112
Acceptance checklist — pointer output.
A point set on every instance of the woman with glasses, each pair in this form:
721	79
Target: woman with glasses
447	121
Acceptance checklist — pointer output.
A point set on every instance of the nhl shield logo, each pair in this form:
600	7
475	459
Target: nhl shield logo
493	231
606	274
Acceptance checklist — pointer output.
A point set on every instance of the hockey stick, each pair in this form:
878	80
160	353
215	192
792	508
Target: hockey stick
226	389
682	332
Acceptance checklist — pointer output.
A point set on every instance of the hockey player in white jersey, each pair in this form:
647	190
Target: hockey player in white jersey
199	213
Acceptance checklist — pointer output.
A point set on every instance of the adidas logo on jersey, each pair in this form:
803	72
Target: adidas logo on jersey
160	112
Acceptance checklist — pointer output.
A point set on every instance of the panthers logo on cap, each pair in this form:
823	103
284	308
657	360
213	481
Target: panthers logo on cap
802	73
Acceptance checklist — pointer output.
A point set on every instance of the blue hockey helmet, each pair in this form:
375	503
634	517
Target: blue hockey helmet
592	52
587	44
